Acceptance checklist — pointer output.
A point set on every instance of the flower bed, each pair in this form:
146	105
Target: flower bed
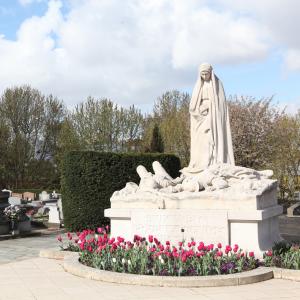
151	257
283	255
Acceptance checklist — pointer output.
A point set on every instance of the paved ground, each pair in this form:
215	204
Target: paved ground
44	279
24	248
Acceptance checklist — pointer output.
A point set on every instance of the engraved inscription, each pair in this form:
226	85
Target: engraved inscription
209	226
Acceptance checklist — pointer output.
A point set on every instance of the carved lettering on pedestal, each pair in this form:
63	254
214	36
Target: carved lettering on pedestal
207	226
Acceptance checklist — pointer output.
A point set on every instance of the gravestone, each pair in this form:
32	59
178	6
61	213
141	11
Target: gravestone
19	195
29	196
294	210
14	200
44	196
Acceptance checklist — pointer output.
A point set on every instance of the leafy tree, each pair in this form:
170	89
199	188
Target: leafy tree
103	126
254	131
171	114
286	160
32	124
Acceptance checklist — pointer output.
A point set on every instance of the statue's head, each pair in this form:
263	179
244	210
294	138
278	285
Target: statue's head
205	71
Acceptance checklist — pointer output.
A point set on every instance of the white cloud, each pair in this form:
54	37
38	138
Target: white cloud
27	2
292	59
280	19
217	37
132	51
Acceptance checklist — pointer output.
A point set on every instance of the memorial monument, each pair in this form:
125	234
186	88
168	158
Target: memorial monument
213	200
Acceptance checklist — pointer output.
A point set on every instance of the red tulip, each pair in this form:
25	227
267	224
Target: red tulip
269	253
150	238
120	239
201	246
228	247
183	258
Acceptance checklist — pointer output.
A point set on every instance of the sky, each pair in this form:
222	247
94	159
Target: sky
132	51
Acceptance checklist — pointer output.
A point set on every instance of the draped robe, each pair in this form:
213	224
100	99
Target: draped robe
211	141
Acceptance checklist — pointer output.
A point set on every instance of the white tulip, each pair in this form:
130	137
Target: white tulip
114	260
129	262
123	261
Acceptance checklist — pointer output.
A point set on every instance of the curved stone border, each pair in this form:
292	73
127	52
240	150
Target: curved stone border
73	266
54	253
286	274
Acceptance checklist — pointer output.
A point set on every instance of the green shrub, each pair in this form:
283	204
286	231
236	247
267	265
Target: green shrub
90	178
283	255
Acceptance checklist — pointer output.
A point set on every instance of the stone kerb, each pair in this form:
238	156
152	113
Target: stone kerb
288	274
54	253
72	265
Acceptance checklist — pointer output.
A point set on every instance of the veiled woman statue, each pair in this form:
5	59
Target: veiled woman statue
211	141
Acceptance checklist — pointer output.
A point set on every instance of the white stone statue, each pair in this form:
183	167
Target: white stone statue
216	177
211	166
211	141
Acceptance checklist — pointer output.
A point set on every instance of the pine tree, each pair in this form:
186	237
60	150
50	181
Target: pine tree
157	144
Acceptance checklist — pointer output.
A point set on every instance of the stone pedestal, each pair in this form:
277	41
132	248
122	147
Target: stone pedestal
249	220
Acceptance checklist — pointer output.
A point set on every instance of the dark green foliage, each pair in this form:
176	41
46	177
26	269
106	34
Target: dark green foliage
283	255
90	178
281	247
157	144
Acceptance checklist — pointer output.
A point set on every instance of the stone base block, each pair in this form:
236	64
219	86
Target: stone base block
252	230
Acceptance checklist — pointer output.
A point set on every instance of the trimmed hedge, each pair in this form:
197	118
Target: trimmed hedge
89	179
